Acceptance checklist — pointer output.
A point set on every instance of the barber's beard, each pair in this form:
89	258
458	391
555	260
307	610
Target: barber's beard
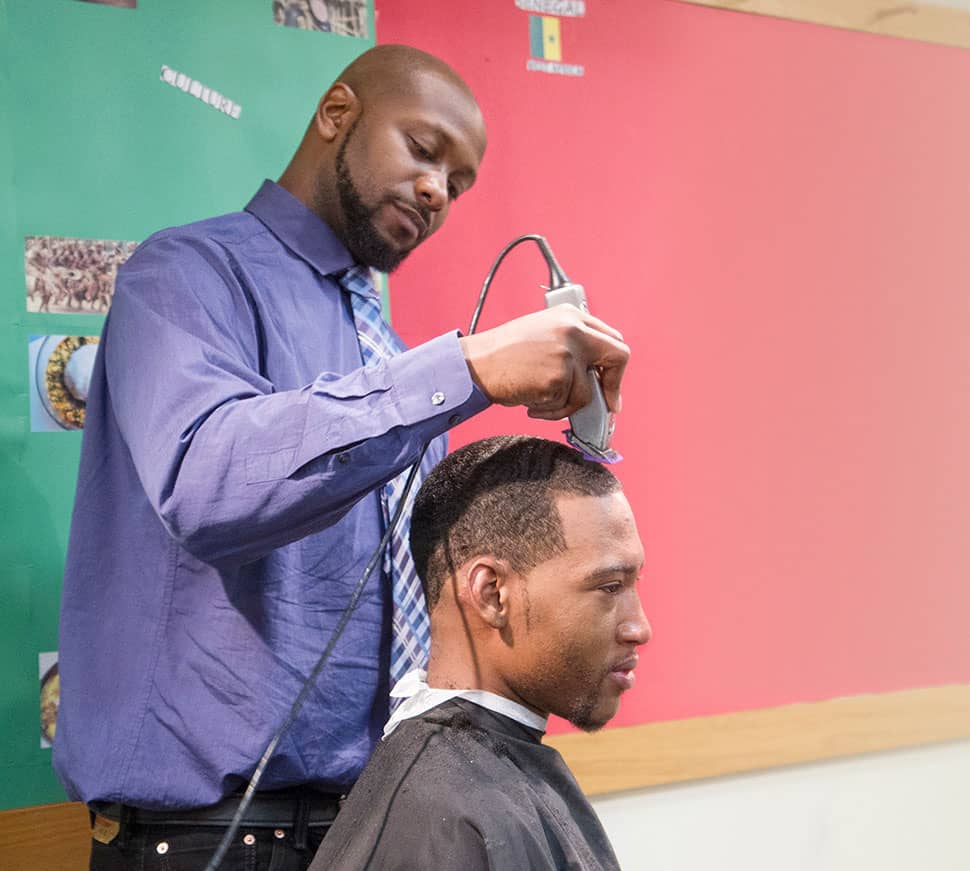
363	240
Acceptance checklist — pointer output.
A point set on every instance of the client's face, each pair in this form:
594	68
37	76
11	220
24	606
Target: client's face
580	620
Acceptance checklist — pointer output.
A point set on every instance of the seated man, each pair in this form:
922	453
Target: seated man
529	556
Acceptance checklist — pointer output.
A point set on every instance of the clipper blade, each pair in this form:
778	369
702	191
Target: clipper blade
608	456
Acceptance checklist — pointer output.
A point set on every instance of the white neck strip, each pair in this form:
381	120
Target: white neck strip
419	697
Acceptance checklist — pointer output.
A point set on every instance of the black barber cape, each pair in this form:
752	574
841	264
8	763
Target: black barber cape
462	787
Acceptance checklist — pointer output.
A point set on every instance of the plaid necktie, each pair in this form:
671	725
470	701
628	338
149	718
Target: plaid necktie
412	631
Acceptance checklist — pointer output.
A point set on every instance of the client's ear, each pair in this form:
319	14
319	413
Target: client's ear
487	589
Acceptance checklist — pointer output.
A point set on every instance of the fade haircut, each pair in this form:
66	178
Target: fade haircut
498	496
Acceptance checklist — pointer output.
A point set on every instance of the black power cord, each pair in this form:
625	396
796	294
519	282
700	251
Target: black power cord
556	279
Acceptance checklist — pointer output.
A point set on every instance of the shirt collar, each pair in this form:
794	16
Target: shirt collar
301	230
419	697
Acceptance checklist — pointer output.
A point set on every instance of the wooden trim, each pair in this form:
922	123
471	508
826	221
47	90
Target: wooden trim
52	837
55	837
925	21
650	755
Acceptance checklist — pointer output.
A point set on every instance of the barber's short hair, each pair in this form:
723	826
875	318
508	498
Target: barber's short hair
498	496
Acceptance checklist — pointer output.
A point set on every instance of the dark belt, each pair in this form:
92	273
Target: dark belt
280	809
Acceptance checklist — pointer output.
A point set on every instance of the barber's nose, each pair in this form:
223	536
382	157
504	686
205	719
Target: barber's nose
432	189
636	628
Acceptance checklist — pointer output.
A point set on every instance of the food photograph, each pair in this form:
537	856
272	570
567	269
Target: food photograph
60	368
50	696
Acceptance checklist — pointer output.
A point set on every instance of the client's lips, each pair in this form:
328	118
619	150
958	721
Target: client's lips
622	673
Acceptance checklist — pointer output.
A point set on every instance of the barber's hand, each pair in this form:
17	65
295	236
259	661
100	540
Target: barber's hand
541	361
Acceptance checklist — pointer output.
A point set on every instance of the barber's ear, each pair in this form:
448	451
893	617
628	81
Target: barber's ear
487	588
337	110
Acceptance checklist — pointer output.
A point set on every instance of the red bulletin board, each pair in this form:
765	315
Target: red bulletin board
775	215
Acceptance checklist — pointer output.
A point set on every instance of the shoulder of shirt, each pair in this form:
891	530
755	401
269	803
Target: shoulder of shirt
223	232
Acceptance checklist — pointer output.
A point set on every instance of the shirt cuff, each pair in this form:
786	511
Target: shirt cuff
418	394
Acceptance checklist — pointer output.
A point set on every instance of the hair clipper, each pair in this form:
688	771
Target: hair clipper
591	427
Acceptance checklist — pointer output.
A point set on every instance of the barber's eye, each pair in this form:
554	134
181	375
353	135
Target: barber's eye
612	589
421	151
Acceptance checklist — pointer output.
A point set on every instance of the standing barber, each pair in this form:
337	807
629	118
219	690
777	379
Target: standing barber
249	415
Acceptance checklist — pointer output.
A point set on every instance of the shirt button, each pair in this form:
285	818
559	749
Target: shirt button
279	834
454	420
343	459
437	398
249	839
161	848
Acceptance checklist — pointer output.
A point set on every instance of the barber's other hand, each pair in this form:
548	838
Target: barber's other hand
541	361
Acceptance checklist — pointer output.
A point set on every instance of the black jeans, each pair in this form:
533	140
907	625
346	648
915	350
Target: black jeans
189	848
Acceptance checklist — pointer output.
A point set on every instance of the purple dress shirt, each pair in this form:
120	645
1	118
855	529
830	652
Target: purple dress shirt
225	510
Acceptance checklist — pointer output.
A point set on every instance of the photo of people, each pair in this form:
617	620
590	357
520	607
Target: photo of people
127	4
346	17
50	695
60	375
72	276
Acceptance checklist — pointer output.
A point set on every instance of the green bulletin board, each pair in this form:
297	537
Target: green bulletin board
117	118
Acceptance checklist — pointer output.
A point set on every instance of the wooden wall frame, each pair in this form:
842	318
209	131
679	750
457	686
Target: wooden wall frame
55	837
922	20
654	754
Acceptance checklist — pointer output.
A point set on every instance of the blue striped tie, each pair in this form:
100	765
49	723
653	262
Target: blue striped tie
412	631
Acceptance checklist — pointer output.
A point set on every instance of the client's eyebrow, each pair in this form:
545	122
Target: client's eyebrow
626	569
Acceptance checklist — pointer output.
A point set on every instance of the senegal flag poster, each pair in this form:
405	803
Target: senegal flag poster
545	40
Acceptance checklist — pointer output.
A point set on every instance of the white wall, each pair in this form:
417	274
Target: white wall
908	810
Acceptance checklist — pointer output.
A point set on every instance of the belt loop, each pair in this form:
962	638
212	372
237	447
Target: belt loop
125	817
301	822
